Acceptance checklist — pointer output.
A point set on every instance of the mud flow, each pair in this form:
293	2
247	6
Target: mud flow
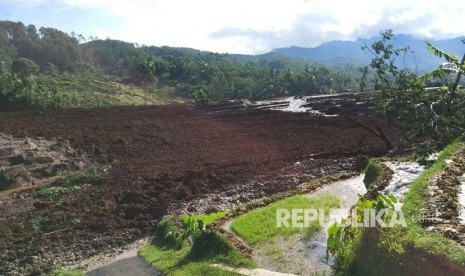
162	159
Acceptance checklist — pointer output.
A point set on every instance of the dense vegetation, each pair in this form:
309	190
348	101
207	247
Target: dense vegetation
431	117
49	68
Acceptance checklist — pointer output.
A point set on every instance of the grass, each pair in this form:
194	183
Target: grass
63	272
170	261
259	225
273	250
93	93
69	183
207	219
190	259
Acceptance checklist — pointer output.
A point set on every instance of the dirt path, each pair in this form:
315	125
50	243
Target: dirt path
131	264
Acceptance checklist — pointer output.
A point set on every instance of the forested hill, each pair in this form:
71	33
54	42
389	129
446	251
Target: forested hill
343	52
48	67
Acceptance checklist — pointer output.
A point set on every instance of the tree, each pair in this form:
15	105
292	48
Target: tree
25	71
148	69
431	117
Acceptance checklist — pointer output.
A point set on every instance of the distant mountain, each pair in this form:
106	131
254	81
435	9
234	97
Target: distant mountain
349	52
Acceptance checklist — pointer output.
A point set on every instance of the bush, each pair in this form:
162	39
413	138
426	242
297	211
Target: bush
7	179
373	173
167	233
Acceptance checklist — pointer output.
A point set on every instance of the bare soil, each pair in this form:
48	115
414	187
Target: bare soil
161	158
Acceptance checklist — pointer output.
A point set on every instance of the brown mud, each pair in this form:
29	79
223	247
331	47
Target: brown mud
161	159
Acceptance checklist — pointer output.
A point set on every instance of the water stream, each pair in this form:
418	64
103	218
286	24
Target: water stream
403	174
348	191
461	200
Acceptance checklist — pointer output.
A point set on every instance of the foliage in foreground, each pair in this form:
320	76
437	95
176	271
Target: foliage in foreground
190	258
432	118
259	225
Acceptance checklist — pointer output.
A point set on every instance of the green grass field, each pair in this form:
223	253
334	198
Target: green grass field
207	219
259	225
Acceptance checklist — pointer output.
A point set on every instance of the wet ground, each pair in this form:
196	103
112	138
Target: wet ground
163	158
304	257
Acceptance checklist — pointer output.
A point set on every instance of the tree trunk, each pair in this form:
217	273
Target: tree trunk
378	132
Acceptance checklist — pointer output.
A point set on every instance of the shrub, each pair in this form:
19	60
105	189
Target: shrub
167	233
373	173
7	179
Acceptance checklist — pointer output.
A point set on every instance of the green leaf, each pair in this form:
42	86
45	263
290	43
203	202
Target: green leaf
438	73
333	229
442	54
392	198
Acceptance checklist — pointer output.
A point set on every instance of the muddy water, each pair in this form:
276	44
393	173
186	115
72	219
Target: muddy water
348	192
291	104
403	174
295	105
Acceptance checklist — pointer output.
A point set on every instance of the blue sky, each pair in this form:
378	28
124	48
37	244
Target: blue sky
240	26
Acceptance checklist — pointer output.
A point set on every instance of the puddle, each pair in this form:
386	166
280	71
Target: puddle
403	175
346	190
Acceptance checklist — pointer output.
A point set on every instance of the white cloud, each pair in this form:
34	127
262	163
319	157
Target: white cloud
256	26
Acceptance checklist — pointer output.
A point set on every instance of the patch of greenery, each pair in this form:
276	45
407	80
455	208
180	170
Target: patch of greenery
171	262
167	233
71	179
179	257
272	250
40	222
49	191
7	179
206	219
374	172
213	247
64	272
69	183
259	225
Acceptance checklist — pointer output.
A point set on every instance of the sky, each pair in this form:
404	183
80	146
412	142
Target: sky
240	26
